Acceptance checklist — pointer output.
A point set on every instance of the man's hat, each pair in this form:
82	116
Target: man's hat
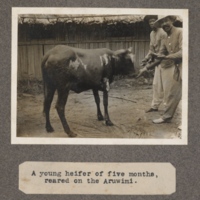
148	17
162	18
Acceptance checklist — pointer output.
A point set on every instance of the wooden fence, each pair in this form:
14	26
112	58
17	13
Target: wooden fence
30	53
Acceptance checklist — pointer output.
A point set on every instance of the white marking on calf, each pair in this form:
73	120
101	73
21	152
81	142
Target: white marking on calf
105	57
84	65
74	64
106	83
101	60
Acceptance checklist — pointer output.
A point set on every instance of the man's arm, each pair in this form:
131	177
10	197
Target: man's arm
148	67
163	49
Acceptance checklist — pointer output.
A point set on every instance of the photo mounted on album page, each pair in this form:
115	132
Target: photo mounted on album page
99	76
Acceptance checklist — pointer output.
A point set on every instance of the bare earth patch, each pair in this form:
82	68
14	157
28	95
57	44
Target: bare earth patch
127	104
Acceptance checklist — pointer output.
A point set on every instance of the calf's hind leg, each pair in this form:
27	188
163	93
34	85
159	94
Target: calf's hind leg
60	106
50	90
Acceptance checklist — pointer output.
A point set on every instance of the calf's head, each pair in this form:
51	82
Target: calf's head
124	61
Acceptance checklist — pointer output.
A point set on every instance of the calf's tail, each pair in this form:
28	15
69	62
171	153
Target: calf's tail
44	78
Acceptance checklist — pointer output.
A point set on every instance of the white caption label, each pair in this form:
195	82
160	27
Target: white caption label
97	178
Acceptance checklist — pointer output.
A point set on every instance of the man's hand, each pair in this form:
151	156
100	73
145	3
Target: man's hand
141	72
144	62
160	56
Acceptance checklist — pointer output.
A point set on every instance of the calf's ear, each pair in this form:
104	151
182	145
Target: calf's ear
130	49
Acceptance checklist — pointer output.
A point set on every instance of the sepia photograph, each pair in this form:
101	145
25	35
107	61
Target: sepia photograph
99	76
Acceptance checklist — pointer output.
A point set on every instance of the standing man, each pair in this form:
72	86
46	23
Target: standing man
171	70
156	36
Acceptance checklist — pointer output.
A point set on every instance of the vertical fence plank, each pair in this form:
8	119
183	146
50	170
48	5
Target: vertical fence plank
31	62
22	63
38	53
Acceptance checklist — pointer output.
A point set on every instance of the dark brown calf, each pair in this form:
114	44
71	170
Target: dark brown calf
65	68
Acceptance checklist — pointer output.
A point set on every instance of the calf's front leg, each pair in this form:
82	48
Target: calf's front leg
105	102
97	100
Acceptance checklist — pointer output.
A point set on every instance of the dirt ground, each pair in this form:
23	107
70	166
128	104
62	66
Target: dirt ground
128	101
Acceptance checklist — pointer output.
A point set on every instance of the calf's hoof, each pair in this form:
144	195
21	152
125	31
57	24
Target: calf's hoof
49	129
72	134
109	123
100	117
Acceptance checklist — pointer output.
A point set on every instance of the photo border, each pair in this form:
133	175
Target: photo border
97	141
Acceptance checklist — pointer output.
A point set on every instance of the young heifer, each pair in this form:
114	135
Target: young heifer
66	68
